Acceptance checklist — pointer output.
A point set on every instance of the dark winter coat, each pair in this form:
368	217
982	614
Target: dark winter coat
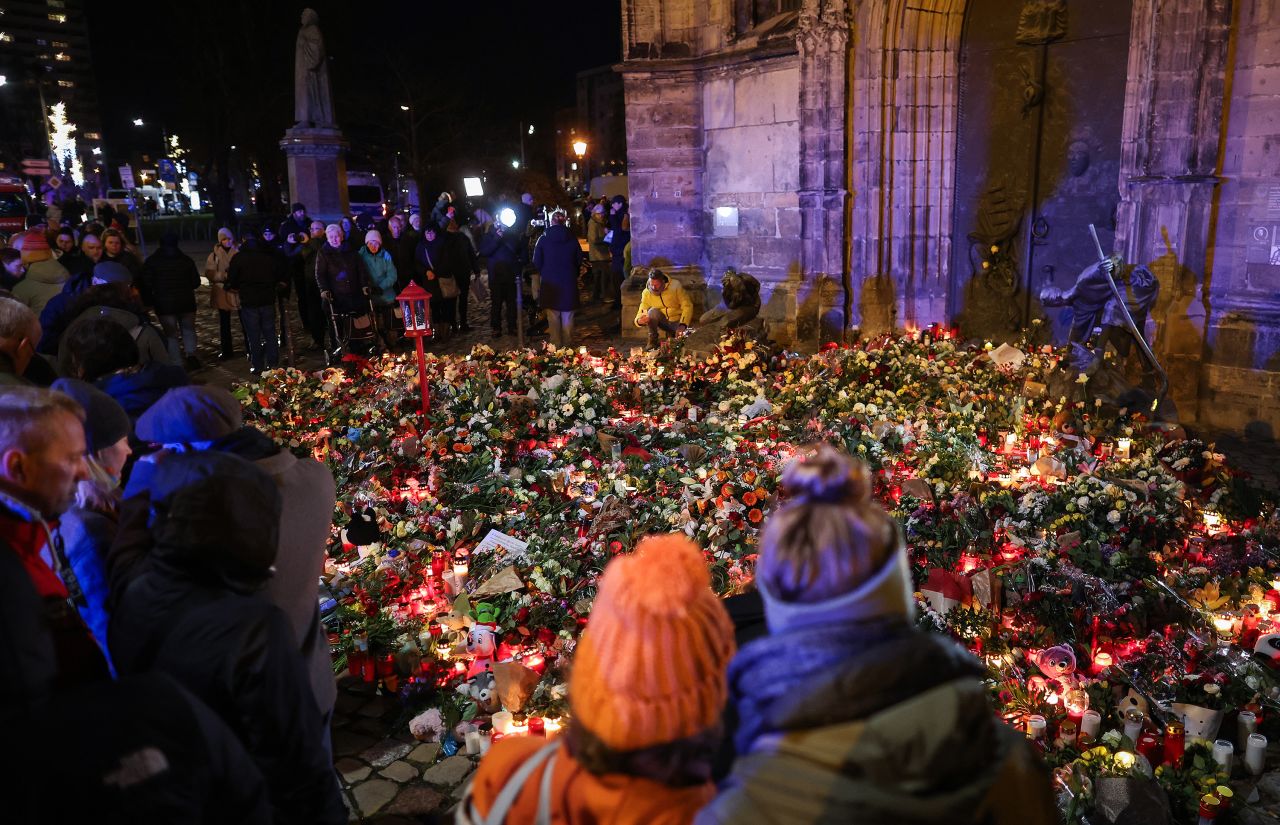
460	259
620	225
134	318
136	390
56	315
341	273
191	609
307	495
502	251
430	259
557	257
208	777
169	282
129	260
76	263
258	273
402	251
877	724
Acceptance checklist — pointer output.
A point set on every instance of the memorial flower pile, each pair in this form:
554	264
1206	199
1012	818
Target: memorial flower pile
1119	579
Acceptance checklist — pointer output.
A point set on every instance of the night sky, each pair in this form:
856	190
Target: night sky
486	65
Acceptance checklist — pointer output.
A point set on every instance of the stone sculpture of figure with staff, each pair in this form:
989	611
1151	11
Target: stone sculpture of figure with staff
312	104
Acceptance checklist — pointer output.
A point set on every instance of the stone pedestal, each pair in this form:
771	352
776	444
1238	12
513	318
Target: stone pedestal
317	171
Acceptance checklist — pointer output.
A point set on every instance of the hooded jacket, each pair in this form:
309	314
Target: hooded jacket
557	257
169	281
307	498
43	281
878	723
56	315
190	609
151	344
207	776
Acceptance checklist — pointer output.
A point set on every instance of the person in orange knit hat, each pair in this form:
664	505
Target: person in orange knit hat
646	693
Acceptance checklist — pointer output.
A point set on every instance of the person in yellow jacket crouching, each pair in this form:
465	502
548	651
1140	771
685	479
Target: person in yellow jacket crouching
664	306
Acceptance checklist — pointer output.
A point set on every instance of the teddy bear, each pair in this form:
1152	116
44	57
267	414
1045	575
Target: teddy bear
1058	664
483	690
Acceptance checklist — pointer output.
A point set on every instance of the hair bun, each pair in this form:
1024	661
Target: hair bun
825	475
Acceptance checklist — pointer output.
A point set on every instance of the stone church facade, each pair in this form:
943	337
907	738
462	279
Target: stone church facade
882	164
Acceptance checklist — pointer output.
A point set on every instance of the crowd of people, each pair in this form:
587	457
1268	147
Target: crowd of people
163	562
341	279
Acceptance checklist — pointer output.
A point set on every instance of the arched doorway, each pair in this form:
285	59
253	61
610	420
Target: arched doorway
1040	121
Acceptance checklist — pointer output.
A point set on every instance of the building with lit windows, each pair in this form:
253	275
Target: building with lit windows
45	60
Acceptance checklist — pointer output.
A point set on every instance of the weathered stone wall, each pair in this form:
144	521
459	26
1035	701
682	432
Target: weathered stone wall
903	96
665	174
752	164
1241	373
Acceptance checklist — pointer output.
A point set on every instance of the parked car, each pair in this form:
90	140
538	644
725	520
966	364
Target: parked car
15	205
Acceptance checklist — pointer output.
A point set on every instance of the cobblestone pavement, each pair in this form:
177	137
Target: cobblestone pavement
387	776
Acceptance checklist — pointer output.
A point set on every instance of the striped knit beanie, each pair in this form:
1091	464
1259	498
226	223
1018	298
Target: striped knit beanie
650	667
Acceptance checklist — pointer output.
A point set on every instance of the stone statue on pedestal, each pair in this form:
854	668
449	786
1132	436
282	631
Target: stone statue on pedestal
312	103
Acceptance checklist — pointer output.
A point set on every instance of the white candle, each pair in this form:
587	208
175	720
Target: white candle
1090	724
474	747
1122	448
1246	725
1133	725
502	722
1255	753
551	726
1223	752
1009	441
1036	725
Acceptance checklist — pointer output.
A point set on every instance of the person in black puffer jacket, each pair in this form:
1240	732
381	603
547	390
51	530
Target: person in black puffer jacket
187	765
341	275
191	607
501	248
259	274
460	262
169	283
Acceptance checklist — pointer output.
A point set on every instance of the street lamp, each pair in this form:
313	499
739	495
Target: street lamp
515	163
137	121
404	108
580	149
3	80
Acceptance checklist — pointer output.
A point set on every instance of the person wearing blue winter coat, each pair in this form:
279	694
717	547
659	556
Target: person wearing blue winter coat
558	257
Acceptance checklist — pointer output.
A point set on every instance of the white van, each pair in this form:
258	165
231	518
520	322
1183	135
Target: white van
364	193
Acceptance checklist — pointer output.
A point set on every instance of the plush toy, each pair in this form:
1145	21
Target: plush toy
482	646
482	690
1058	664
1132	701
362	530
1267	649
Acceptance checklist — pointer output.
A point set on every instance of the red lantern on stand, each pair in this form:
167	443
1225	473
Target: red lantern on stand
415	306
